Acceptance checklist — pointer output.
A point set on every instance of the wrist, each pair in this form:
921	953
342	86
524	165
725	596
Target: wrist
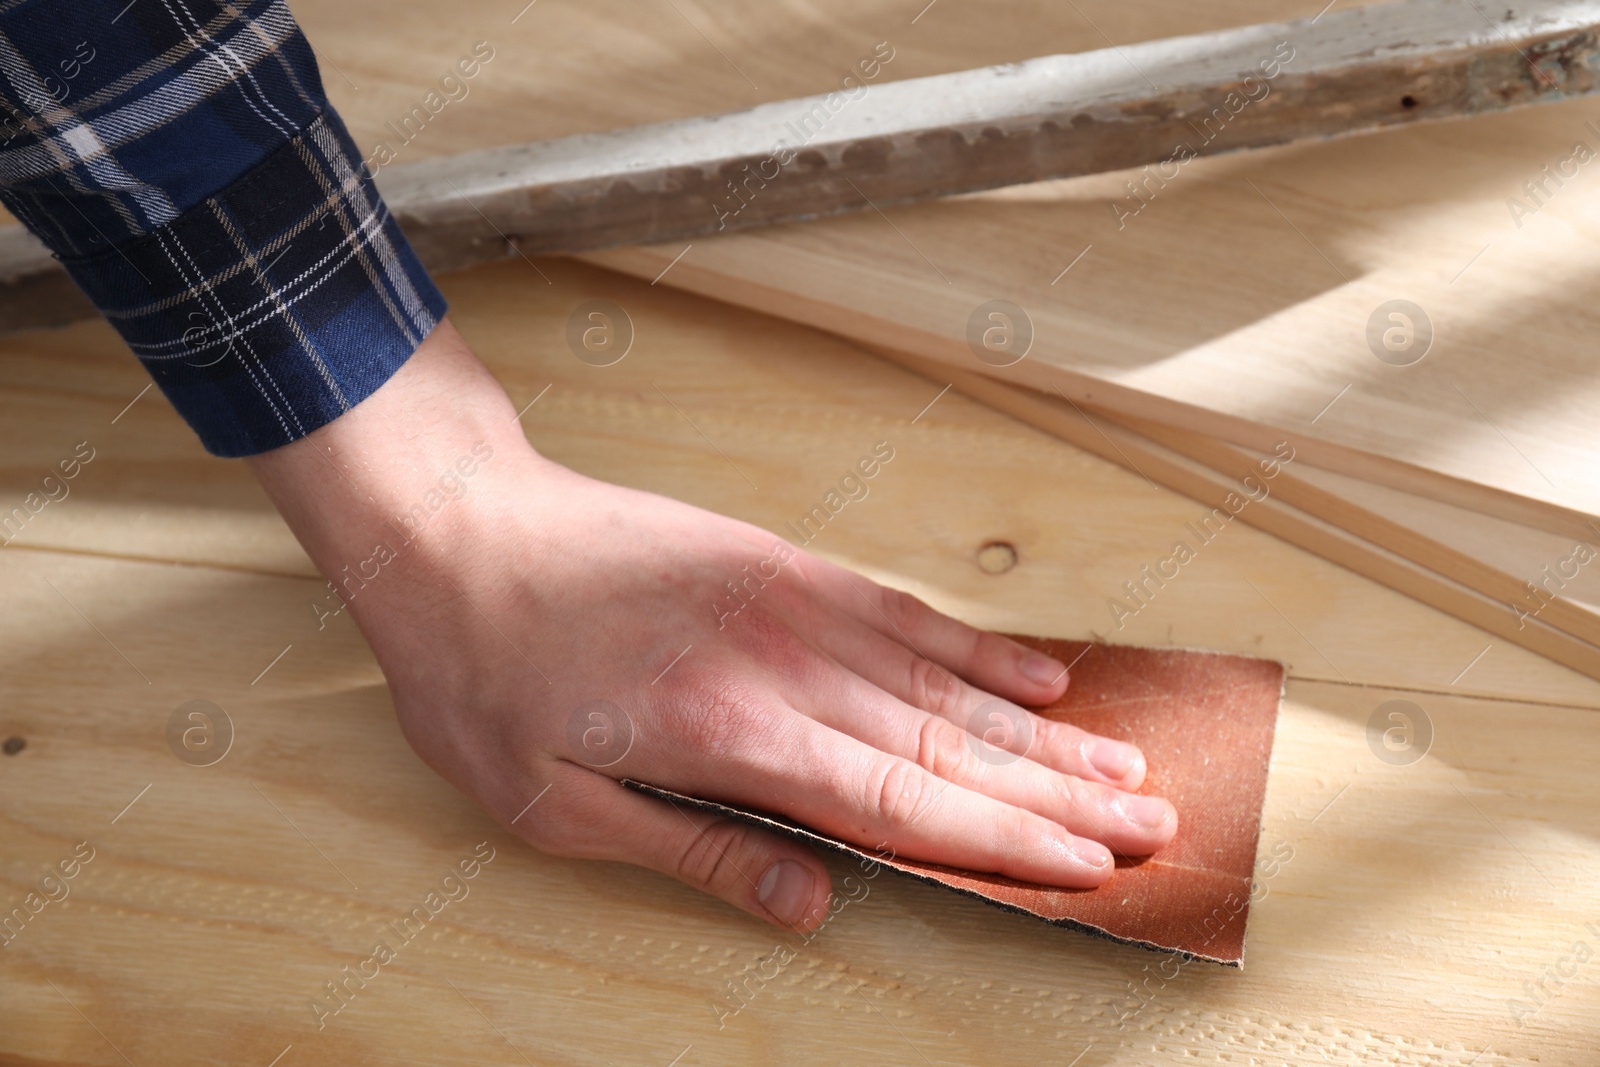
382	497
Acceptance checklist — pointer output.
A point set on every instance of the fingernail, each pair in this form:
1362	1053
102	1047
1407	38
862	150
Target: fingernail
1113	758
1149	812
1082	850
1040	668
1096	856
786	890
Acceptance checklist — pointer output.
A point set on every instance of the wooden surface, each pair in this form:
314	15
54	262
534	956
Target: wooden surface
1532	573
876	141
1528	573
1237	300
566	69
1271	495
1237	324
1417	900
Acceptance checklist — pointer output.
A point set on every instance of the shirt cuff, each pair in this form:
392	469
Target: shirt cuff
276	305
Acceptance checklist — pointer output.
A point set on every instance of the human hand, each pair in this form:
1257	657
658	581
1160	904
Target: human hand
503	614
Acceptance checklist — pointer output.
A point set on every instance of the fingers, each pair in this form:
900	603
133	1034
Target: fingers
989	661
853	791
901	673
744	745
1124	822
586	815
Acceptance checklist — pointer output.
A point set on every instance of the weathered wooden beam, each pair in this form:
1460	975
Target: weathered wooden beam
1158	103
34	290
1058	116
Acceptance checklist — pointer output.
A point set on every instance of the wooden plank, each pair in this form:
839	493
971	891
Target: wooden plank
791	407
1239	302
1302	528
36	291
1401	908
1559	566
1531	573
663	66
874	144
206	925
1057	116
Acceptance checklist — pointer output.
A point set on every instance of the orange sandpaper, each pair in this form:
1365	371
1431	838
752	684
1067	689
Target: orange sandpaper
1204	722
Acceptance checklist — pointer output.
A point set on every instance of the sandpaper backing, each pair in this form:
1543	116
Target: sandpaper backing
1205	722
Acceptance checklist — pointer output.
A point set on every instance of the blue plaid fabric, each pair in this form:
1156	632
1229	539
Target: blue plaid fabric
181	160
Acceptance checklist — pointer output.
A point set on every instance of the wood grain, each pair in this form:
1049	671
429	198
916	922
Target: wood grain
206	921
1534	574
1408	906
1223	489
1416	904
794	407
1237	301
874	141
867	144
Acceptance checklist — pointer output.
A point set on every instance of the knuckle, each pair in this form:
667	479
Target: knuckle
559	831
769	640
942	749
978	648
1065	788
1061	746
788	587
1077	795
932	688
558	839
716	714
1062	740
901	795
758	630
708	863
1018	829
903	609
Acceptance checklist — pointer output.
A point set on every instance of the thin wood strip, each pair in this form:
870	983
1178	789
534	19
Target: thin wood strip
1181	474
1420	546
775	297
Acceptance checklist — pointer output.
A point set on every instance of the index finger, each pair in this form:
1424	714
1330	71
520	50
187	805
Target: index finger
987	660
850	790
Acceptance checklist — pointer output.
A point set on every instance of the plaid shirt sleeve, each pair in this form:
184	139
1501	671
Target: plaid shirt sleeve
181	160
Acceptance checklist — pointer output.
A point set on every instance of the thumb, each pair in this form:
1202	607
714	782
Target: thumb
596	817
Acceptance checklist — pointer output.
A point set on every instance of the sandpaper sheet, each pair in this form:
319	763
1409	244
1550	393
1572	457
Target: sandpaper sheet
1205	722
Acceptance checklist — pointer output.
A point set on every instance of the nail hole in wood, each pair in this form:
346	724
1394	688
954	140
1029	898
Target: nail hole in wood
13	745
1408	101
996	557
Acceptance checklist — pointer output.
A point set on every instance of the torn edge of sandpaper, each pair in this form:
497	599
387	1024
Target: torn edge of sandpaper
921	872
1205	721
